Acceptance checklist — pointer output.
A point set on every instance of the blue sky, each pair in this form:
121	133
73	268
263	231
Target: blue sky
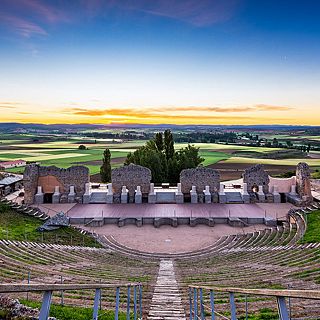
160	61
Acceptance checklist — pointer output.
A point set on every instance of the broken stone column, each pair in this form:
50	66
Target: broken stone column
71	195
86	196
109	193
152	197
245	195
261	195
194	195
179	194
124	195
276	195
56	195
207	194
222	195
39	196
138	195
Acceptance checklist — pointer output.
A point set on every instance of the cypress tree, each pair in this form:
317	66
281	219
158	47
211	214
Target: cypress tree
105	169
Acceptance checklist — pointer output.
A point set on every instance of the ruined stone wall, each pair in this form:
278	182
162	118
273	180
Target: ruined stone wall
200	177
303	181
131	176
35	175
256	176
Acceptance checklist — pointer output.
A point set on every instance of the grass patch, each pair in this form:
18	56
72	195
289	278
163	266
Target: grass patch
75	313
21	227
212	157
313	228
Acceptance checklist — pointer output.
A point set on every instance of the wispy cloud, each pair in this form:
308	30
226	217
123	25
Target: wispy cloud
9	105
23	27
198	13
187	112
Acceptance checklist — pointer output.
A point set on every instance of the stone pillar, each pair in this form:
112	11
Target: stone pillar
138	195
152	197
222	195
207	195
39	196
293	191
56	195
276	195
71	195
245	195
109	193
86	196
124	195
194	195
179	194
261	195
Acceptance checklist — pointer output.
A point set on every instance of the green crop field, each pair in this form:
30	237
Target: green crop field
64	152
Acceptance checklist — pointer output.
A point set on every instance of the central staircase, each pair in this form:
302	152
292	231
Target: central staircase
98	197
234	197
166	300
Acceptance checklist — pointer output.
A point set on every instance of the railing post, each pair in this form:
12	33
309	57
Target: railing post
140	301
232	306
282	308
212	304
195	303
116	315
135	302
61	280
246	307
97	298
45	307
128	302
190	303
201	304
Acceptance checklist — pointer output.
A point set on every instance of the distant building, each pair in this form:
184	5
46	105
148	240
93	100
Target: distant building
12	164
10	183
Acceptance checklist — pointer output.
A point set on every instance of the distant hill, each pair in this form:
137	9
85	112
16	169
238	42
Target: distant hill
14	126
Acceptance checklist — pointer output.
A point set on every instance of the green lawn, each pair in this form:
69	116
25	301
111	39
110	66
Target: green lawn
212	157
313	227
75	313
21	227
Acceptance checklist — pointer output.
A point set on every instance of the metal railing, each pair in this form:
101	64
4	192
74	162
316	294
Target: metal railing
48	289
197	295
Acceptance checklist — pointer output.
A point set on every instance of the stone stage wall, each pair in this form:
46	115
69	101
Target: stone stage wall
50	177
131	176
200	178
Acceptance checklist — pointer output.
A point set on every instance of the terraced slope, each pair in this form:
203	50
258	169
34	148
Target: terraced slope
55	263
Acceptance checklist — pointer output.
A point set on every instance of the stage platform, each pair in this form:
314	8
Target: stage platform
187	210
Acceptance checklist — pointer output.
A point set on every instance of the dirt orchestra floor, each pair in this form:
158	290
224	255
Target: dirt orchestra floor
271	210
169	239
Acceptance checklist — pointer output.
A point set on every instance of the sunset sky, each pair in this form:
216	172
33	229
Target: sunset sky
160	61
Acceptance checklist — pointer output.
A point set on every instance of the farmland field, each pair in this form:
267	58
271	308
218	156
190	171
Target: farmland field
230	159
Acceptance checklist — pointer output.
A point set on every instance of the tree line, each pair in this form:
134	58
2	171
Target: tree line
159	155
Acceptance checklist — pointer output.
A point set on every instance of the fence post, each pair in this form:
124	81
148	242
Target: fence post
233	306
135	302
97	297
201	304
190	303
128	302
61	280
246	301
195	303
116	315
140	300
28	283
212	304
45	306
282	308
